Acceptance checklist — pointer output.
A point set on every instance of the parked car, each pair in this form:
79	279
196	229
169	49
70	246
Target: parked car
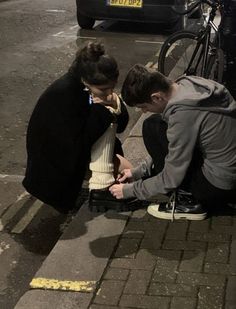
151	11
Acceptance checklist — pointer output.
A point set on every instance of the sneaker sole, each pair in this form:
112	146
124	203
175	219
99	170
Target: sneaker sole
153	211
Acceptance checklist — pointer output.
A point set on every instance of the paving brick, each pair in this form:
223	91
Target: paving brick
218	252
192	261
116	274
219	268
167	275
211	237
230	290
144	301
211	298
165	270
145	226
109	292
232	259
229	305
222	220
184	245
144	260
234	220
201	279
138	282
223	229
177	231
140	215
133	234
183	302
151	243
158	235
164	256
127	248
172	289
200	227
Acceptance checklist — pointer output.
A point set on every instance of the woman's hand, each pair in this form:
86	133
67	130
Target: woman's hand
125	175
109	101
117	191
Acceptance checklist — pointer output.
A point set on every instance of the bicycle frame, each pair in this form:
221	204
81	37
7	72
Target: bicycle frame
204	40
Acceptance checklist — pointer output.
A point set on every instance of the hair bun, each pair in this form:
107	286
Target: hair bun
93	51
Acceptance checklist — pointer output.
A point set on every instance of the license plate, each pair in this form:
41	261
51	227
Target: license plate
126	3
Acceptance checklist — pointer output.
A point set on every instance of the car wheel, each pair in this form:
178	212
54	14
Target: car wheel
85	22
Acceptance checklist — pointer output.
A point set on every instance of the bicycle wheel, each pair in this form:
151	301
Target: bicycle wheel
181	54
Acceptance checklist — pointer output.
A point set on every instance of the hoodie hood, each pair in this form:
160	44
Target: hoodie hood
201	94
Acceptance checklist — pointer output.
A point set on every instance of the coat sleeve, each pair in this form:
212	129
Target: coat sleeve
97	122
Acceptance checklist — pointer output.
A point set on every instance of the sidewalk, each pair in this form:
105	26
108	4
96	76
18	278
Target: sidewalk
132	260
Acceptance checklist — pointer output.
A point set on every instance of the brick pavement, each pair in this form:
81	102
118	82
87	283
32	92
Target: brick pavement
142	262
171	265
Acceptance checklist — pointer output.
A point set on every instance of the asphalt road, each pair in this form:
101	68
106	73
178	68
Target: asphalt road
38	41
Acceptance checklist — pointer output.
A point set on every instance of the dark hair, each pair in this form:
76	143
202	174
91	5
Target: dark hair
141	82
94	66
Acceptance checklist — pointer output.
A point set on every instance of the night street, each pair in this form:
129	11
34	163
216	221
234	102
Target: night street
86	259
38	43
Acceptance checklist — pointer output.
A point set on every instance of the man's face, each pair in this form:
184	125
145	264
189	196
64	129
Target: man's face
156	105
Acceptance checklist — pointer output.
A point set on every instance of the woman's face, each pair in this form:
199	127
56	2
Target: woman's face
101	91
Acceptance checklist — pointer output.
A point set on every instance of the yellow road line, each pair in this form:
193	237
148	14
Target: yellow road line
53	284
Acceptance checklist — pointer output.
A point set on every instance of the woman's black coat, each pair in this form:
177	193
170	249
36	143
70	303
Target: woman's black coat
61	131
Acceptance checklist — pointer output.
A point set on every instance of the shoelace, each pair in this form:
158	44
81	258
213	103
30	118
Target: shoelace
172	203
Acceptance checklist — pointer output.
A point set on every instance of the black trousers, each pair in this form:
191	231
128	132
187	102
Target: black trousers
155	140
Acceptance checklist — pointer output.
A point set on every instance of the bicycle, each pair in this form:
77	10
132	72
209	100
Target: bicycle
189	53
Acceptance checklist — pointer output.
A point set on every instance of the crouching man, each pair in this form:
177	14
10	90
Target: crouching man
191	140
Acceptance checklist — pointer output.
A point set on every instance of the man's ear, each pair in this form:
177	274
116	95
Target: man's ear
156	96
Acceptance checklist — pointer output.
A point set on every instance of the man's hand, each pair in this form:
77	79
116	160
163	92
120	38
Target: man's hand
117	191
125	175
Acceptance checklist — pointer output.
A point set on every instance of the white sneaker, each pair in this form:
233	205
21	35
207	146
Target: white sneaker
180	206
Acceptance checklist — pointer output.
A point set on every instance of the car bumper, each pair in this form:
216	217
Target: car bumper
150	12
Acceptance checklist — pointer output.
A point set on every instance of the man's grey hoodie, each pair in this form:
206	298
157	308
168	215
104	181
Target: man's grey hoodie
202	114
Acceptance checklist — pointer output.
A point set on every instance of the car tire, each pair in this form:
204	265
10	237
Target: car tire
85	22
